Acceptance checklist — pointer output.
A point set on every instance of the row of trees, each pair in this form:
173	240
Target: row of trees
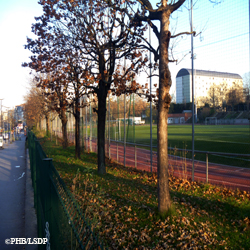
95	47
223	96
37	107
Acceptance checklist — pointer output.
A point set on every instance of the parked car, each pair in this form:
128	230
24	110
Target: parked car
6	136
1	141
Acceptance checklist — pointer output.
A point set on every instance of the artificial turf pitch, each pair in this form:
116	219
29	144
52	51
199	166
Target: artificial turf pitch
212	138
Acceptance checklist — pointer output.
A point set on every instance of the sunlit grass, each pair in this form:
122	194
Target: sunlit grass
123	207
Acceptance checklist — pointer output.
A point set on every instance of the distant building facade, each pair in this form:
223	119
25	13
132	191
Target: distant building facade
179	118
203	80
19	113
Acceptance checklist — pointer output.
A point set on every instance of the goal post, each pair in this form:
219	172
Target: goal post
211	121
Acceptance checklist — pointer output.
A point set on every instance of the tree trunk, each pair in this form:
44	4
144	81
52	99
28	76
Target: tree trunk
164	199
64	121
102	95
77	132
47	125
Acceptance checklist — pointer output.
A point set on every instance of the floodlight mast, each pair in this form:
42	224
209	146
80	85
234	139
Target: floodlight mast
150	80
192	62
249	62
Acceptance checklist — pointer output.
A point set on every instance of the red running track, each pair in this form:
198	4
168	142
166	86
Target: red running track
223	175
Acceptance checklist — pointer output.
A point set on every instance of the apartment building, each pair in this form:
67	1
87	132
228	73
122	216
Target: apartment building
203	80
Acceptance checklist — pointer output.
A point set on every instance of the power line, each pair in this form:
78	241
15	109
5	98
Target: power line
223	40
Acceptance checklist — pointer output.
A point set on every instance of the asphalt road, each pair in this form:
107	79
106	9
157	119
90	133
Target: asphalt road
16	208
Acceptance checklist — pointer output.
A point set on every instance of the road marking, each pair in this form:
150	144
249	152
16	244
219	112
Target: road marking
20	176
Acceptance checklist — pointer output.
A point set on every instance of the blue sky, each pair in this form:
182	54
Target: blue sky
224	43
222	46
16	17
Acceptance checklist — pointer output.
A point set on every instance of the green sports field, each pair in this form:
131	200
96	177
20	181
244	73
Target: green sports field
219	138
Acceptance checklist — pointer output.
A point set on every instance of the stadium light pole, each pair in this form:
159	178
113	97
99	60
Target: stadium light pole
150	86
249	60
124	132
192	62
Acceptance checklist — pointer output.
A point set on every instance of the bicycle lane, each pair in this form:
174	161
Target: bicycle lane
13	171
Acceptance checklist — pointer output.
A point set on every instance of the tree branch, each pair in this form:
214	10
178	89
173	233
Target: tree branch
184	33
176	6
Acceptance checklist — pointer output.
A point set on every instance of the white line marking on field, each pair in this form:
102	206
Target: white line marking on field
238	170
223	141
226	156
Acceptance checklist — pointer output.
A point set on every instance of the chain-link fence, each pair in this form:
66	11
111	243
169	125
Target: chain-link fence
220	58
218	148
59	217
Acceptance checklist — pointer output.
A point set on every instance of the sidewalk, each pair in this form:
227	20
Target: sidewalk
30	214
17	213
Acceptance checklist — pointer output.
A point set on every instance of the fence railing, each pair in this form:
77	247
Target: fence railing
59	217
138	156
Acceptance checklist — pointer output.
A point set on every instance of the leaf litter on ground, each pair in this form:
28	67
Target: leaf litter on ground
122	205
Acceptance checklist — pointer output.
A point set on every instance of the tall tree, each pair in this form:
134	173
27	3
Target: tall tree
58	91
162	14
234	95
161	53
246	91
36	106
98	35
64	70
51	77
213	95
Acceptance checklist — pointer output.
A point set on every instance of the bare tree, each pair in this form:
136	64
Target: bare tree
246	83
36	106
163	34
162	54
95	35
234	95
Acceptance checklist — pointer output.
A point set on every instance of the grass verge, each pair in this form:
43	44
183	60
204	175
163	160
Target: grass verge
123	206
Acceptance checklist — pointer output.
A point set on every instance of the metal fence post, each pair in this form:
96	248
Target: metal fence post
47	188
135	158
124	133
206	167
58	213
117	155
